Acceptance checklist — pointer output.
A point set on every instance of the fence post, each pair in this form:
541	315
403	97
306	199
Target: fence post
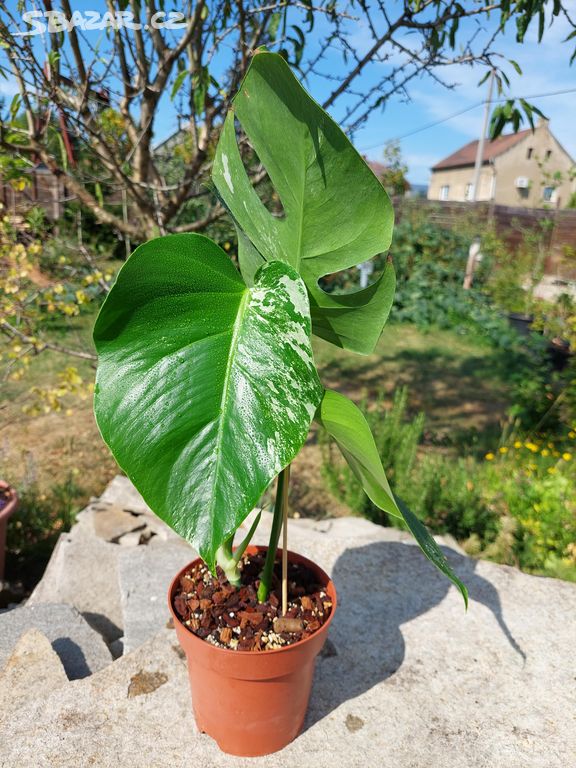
55	198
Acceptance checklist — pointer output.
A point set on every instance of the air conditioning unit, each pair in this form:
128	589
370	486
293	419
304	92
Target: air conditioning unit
522	182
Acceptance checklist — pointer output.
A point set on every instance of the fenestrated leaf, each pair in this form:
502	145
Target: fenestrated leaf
353	320
345	422
337	214
205	388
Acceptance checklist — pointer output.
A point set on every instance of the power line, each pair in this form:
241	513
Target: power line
427	126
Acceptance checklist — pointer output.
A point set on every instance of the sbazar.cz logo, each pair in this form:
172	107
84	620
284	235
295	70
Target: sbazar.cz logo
57	21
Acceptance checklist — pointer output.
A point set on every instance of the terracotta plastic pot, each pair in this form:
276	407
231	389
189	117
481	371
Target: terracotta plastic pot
252	703
5	512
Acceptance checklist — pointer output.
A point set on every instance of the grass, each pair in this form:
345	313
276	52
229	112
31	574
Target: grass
459	383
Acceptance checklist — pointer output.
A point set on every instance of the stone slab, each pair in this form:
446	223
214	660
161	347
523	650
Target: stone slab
81	649
423	684
122	493
145	574
112	522
83	572
32	669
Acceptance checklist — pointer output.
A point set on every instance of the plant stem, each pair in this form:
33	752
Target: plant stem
239	551
226	561
281	500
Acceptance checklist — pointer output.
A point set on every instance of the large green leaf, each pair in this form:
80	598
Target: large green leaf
336	212
205	388
345	422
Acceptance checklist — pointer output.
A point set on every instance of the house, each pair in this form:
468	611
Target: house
528	169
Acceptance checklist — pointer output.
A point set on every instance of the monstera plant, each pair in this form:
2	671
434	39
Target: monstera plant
206	386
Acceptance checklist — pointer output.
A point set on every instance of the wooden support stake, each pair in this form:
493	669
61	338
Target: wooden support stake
285	542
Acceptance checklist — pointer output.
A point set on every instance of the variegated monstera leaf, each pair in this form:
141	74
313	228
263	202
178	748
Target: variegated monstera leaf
206	388
336	212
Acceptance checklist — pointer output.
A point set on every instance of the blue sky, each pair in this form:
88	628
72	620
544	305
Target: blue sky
545	69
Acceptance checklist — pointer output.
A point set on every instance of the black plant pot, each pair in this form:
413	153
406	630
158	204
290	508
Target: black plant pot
520	322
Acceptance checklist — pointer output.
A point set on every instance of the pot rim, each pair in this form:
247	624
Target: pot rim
253	654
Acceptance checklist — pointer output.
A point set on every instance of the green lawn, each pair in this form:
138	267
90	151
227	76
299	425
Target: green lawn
458	382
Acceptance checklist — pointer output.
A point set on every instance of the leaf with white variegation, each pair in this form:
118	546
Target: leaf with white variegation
337	213
346	424
205	388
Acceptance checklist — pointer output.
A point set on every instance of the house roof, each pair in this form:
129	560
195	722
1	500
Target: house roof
466	155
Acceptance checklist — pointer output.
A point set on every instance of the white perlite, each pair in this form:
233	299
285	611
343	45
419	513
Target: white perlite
407	680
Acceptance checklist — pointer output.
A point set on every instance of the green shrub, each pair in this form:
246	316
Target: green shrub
41	518
516	504
534	483
438	490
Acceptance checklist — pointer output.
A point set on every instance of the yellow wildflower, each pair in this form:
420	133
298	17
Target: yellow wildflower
566	456
503	449
489	457
531	447
571	435
552	470
517	444
545	452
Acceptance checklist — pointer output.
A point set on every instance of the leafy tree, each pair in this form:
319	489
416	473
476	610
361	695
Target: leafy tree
394	175
105	91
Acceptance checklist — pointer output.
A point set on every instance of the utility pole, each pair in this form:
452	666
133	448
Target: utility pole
480	150
474	252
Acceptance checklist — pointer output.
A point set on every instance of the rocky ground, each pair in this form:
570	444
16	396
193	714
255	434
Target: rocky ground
92	675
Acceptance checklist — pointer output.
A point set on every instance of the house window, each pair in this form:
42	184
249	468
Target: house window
444	192
549	194
529	153
469	194
548	154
